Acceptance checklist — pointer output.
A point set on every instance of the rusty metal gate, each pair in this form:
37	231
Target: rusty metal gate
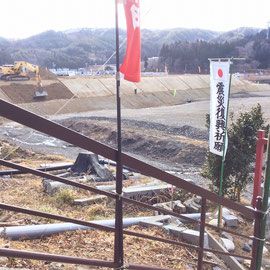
43	125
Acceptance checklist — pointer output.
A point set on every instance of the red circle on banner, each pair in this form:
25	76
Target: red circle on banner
220	73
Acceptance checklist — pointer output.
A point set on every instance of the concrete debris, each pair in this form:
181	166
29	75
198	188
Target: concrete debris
228	236
230	261
164	219
176	222
239	259
230	221
90	201
177	231
193	205
246	247
193	237
178	207
106	187
51	187
228	244
225	212
214	222
148	192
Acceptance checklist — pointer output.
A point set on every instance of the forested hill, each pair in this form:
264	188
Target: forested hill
192	57
79	47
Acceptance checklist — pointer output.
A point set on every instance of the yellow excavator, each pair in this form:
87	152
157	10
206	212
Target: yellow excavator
17	72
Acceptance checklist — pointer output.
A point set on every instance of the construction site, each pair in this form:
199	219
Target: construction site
72	132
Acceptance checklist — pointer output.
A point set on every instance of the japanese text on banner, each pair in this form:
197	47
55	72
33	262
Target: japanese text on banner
219	89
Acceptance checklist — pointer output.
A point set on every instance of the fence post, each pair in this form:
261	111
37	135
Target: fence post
202	229
256	233
264	206
261	141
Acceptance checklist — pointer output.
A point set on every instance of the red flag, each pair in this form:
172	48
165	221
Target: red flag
131	66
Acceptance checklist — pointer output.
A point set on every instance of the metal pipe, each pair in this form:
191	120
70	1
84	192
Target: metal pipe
38	231
118	241
48	169
261	141
6	252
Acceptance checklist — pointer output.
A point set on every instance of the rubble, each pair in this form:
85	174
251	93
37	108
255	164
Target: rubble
147	192
90	201
228	244
178	207
230	220
193	205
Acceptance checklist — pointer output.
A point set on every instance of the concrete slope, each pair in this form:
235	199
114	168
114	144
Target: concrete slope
4	96
80	94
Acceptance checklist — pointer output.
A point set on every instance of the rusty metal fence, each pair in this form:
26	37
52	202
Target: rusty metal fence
43	125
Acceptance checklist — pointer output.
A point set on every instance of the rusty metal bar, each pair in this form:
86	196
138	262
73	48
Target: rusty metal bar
202	229
167	241
48	169
142	267
43	125
56	217
261	141
118	238
127	200
256	233
229	231
177	243
227	253
6	252
54	177
110	229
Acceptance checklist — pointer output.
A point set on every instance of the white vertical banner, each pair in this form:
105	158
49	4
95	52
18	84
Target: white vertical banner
219	96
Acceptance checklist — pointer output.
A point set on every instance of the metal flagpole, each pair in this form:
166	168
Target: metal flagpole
224	145
118	250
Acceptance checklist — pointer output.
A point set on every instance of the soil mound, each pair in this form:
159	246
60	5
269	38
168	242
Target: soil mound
23	93
143	140
44	73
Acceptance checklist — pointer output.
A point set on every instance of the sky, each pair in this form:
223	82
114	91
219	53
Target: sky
21	19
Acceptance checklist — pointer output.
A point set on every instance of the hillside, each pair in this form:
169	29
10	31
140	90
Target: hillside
80	47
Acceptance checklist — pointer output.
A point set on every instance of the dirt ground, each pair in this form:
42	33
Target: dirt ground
23	93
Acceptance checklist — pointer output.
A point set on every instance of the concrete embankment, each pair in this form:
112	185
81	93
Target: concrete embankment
79	94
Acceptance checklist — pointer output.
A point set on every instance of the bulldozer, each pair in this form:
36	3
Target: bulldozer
17	72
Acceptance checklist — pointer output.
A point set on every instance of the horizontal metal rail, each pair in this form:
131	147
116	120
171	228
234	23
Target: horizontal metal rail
18	209
183	244
43	125
109	229
55	178
6	252
47	169
48	127
141	267
106	193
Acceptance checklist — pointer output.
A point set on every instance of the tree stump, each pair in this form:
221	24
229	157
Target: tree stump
87	163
